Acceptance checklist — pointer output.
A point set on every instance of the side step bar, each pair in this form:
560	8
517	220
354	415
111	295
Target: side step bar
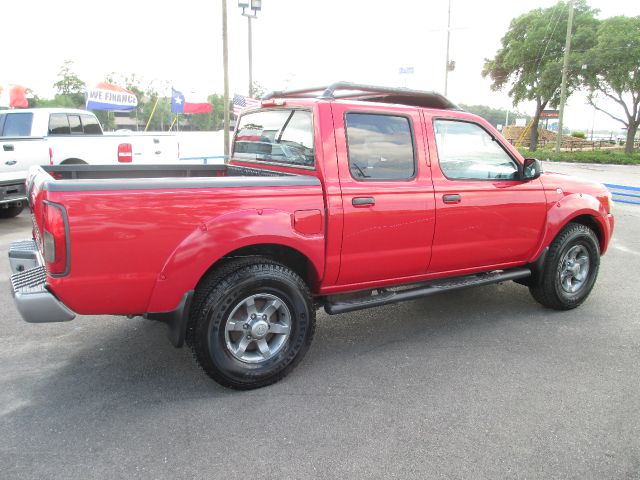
385	297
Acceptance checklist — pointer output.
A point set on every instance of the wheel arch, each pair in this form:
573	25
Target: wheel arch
284	254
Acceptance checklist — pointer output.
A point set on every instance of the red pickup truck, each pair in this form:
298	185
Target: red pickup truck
345	197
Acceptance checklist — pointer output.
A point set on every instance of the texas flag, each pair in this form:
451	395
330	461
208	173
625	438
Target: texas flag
192	103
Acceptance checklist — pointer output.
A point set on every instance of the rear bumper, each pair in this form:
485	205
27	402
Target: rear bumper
35	303
11	193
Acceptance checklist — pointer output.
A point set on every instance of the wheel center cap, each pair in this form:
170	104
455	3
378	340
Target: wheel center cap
259	329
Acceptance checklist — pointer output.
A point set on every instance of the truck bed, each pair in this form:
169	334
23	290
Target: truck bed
160	226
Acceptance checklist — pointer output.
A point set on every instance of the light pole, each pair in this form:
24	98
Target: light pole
448	66
255	6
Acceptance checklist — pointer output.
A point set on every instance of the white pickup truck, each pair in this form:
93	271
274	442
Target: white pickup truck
55	136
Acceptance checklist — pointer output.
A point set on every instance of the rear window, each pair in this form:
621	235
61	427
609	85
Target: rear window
17	125
276	136
90	125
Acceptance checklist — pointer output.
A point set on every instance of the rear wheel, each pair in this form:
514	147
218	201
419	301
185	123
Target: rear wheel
12	210
570	269
253	326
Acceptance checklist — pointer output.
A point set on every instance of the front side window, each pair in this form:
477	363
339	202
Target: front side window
276	136
59	124
380	147
17	125
467	152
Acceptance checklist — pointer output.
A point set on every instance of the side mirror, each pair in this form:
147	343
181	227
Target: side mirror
532	169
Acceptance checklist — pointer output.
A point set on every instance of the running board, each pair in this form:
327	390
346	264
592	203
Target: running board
385	297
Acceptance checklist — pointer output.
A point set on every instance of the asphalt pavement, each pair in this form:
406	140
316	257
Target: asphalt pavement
475	384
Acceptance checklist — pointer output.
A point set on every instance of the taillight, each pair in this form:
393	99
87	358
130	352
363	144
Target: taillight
50	156
54	239
125	153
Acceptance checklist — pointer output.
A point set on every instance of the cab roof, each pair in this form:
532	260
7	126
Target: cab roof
368	93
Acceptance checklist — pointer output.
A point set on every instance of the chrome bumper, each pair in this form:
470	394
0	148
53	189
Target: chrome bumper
28	286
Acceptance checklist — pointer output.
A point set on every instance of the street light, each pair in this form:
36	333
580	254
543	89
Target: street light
254	6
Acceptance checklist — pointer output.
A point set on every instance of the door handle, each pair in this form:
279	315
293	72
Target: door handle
363	201
451	198
10	162
7	148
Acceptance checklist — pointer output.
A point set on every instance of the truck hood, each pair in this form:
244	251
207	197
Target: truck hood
570	184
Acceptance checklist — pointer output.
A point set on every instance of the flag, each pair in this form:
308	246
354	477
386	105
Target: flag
191	103
13	96
106	96
241	102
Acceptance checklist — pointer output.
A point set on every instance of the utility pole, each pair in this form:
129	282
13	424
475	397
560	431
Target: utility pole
565	65
446	70
225	61
250	59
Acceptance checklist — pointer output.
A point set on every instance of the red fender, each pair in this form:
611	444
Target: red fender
220	236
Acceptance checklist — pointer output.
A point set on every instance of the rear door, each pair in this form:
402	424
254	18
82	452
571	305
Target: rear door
485	215
387	194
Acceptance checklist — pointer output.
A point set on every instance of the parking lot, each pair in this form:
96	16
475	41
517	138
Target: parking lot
482	383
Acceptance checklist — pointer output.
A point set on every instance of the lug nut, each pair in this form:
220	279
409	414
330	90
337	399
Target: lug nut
264	317
253	315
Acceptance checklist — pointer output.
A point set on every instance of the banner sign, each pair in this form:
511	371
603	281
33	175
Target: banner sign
106	96
550	114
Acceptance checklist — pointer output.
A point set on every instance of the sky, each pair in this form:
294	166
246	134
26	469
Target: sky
295	44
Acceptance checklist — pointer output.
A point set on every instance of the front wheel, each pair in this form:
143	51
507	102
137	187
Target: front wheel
570	269
254	326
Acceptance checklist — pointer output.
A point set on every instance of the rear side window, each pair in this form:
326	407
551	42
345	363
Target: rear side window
276	136
59	124
17	125
74	124
380	147
90	125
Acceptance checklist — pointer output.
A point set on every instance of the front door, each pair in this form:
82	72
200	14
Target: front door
387	194
485	215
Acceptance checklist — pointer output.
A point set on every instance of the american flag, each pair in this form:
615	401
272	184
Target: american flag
240	102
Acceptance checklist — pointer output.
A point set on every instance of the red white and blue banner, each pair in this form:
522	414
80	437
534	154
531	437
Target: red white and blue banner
189	103
106	96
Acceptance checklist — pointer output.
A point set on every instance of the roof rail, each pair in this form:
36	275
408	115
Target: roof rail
371	93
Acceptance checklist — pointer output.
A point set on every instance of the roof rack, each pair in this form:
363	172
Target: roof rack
370	93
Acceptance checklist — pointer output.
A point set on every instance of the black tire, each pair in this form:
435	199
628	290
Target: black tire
73	161
550	290
12	210
221	294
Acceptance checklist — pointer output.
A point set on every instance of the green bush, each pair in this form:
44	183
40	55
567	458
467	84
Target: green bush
578	134
616	157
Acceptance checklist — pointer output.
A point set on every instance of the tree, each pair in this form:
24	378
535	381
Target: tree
70	87
494	116
613	71
530	59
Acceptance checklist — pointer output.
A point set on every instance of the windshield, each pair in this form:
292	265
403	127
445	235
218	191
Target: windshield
276	136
